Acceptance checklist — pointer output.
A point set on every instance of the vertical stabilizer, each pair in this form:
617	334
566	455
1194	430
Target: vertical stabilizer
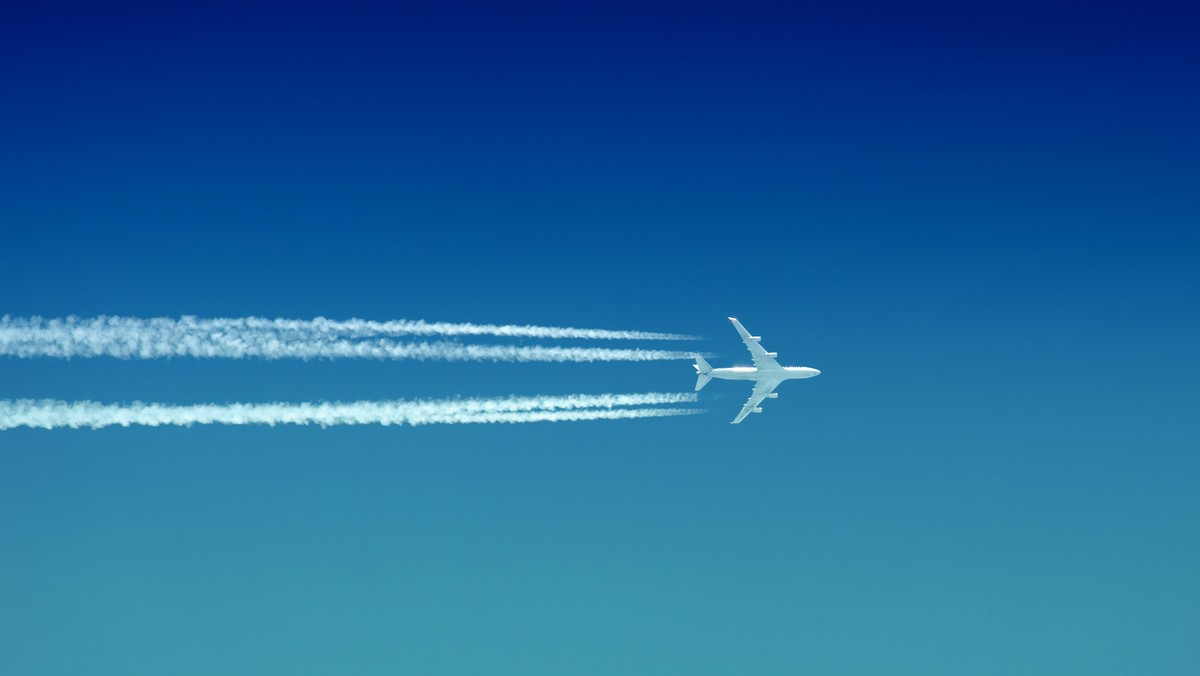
702	371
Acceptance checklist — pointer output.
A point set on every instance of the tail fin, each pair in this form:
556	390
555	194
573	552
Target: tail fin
702	371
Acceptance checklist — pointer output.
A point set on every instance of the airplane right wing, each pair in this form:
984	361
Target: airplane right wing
762	358
762	388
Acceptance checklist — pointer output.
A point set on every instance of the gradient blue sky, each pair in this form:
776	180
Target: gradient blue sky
981	225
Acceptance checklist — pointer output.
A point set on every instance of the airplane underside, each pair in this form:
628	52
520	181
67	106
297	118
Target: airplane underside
766	373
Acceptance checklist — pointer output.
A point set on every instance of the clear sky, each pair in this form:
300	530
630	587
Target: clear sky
981	225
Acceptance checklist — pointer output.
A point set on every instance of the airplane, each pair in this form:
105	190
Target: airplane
766	373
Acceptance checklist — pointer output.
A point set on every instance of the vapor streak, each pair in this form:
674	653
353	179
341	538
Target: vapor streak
131	338
51	414
351	328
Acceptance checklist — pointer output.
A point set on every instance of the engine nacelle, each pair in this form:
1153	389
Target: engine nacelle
773	395
772	355
756	338
756	409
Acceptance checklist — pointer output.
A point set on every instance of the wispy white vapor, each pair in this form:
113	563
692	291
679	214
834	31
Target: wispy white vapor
132	338
50	414
361	328
350	328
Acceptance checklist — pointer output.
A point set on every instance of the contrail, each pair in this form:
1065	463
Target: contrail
352	328
267	347
362	328
51	414
131	338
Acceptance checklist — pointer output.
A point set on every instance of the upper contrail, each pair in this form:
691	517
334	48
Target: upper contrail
133	338
269	347
50	414
360	328
352	328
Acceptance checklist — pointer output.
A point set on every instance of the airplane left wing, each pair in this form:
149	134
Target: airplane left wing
763	360
762	388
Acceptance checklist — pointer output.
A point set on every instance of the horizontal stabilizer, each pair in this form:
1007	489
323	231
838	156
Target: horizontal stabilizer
702	371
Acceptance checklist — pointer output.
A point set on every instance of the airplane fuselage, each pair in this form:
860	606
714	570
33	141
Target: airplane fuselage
754	373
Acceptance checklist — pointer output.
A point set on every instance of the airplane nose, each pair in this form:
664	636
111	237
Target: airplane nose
816	372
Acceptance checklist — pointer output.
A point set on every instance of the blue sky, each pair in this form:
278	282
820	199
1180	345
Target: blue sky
979	224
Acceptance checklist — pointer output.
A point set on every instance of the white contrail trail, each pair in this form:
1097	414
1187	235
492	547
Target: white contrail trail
51	414
351	328
130	338
361	328
268	347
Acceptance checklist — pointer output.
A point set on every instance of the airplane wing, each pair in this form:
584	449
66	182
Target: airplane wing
762	358
761	389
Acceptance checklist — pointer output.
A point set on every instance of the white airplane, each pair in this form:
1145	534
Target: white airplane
766	372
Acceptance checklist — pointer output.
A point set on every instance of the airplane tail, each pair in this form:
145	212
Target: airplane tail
702	371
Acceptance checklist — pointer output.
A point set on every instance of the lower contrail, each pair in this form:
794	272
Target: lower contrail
130	338
51	414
